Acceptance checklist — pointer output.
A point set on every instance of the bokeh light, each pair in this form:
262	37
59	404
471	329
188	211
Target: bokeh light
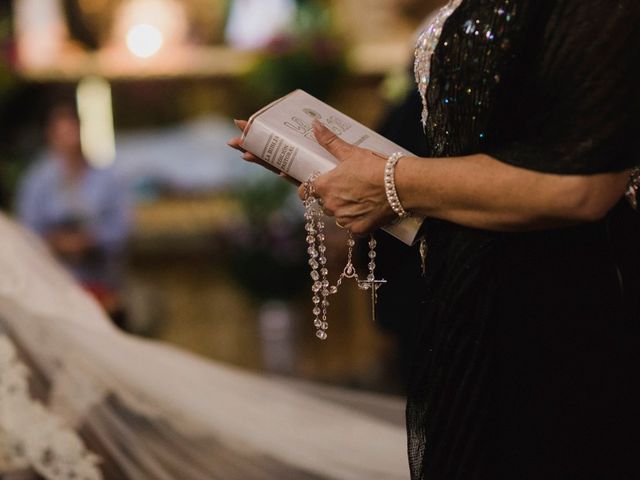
144	40
148	28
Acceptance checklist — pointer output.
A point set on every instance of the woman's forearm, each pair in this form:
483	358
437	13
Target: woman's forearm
476	191
480	191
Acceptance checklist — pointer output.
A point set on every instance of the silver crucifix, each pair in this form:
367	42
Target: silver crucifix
373	286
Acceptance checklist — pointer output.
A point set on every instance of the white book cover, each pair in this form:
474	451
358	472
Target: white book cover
281	134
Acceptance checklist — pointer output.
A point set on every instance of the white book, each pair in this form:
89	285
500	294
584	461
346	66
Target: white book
281	134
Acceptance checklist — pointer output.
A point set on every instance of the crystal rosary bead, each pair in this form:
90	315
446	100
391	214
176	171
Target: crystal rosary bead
321	288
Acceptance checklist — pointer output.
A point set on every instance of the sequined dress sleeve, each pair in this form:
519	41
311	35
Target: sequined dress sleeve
573	108
544	85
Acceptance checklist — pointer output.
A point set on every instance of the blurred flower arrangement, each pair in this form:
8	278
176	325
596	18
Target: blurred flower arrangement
266	251
310	55
6	58
8	170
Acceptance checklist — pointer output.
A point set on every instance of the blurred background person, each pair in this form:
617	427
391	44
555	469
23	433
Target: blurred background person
82	212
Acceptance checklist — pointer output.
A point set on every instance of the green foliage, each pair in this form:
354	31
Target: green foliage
310	56
267	254
261	199
6	75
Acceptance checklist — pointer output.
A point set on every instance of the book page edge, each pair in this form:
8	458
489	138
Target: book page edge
253	117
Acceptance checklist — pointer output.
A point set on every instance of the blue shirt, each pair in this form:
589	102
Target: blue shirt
97	202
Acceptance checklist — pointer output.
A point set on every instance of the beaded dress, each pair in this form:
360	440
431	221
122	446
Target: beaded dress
528	363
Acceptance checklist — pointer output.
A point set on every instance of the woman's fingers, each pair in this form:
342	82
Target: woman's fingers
302	192
236	143
356	226
241	124
331	142
250	157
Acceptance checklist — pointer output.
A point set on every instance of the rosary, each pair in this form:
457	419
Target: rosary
321	288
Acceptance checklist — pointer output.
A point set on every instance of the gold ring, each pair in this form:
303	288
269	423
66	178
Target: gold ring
339	225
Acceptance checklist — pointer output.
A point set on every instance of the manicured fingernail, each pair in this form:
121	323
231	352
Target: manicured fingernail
317	125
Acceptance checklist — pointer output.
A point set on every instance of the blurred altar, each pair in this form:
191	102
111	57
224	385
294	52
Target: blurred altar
216	259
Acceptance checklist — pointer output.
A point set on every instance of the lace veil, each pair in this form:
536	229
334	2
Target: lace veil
79	399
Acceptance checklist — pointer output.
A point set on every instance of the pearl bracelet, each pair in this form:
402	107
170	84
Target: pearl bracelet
390	185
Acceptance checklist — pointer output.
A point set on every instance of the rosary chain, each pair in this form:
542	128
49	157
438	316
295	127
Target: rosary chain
321	288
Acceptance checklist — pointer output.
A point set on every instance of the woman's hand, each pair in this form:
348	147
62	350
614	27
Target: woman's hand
353	192
236	143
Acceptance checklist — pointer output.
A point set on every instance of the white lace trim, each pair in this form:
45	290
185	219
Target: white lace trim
425	47
30	435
